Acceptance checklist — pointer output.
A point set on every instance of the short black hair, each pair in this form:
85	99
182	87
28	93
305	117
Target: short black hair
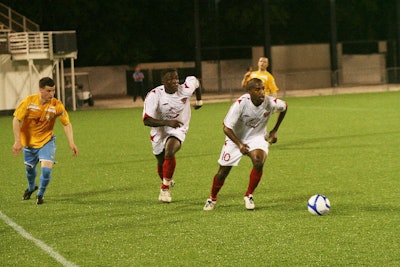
167	71
252	83
46	81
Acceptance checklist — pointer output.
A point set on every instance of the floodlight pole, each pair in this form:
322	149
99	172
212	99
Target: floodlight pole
197	40
267	34
333	45
397	74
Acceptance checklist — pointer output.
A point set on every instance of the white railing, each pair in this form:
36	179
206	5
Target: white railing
16	22
29	42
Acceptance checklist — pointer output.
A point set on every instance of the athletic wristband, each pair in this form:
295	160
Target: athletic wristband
199	102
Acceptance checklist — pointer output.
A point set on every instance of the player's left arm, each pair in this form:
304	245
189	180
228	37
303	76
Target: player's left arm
70	136
273	137
69	133
199	102
272	86
193	81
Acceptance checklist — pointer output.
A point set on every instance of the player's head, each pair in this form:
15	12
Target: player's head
47	89
46	81
262	63
170	80
255	87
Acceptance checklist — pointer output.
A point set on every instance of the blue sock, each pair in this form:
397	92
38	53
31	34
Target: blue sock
30	176
44	180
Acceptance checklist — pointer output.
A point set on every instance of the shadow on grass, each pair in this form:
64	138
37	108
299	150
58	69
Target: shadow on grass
93	193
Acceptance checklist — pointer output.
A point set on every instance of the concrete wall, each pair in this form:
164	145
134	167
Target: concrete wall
101	81
364	69
308	66
301	66
294	67
15	81
223	76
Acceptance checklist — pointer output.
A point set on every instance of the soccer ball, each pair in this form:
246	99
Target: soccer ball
318	205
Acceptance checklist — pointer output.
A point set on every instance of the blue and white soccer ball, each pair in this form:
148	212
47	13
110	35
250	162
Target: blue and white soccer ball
318	205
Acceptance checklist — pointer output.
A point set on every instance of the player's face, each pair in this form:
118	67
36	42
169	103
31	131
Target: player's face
47	93
263	63
171	82
257	94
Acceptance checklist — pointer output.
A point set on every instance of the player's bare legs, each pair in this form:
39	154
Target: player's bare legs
172	146
168	167
258	158
160	162
218	182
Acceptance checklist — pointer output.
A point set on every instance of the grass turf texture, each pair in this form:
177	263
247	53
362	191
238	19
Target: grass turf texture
101	208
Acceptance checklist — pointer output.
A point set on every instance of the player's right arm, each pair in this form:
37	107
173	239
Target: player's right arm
231	118
245	79
149	121
244	149
151	116
17	147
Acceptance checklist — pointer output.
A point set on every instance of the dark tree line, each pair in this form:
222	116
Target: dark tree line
130	31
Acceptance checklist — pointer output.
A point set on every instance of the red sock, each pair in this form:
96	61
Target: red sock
168	168
217	184
255	178
160	171
164	186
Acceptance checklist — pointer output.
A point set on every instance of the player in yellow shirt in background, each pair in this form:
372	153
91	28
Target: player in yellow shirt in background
33	126
262	74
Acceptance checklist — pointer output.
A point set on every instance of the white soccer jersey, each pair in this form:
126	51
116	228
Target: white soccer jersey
163	106
248	121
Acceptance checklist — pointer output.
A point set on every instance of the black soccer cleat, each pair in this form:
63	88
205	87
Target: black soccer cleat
27	193
39	200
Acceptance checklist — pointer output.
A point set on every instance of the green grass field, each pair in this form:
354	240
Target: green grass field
101	208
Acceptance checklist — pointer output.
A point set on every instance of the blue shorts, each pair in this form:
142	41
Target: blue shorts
46	153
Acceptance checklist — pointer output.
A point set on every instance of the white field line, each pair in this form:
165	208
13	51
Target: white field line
37	242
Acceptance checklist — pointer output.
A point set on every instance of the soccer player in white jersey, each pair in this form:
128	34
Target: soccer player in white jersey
167	111
246	134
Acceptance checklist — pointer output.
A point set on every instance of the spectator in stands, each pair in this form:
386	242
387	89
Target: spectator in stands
138	86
